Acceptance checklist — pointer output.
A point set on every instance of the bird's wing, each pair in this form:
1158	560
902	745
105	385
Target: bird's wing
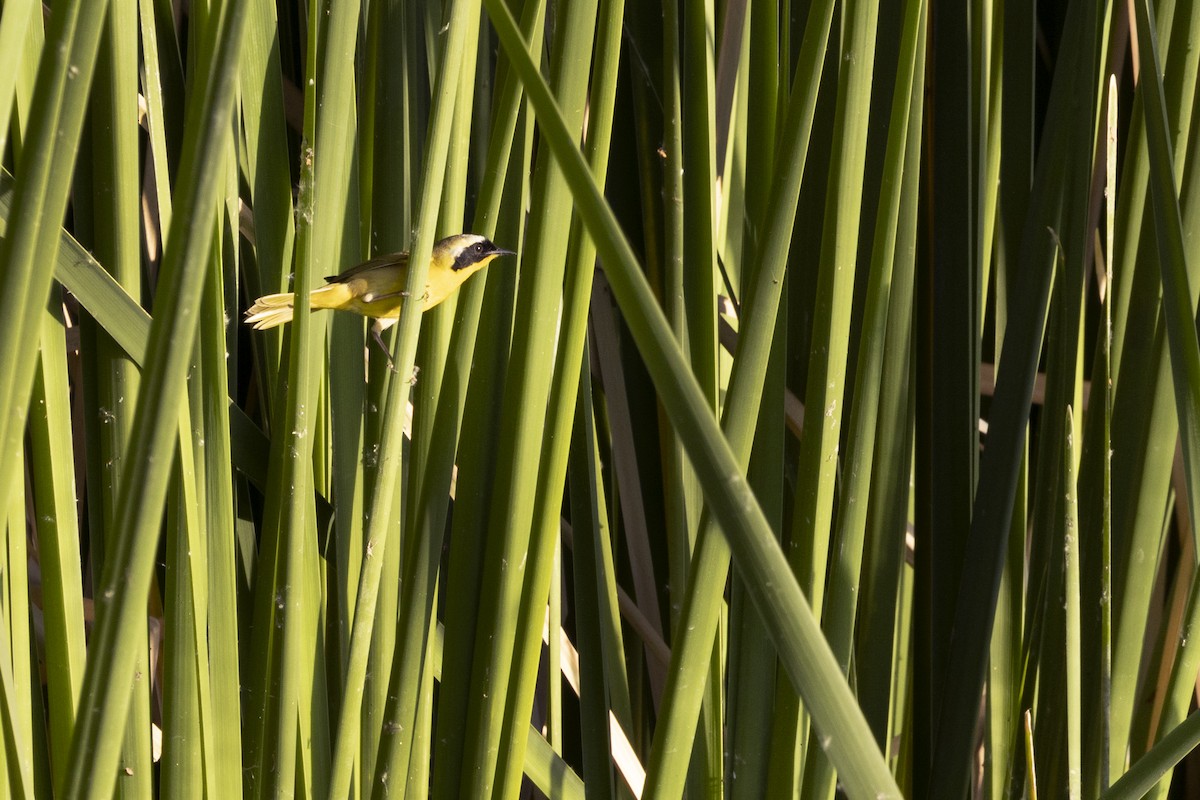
388	261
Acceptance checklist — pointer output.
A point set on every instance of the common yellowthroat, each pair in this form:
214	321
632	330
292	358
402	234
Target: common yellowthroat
375	288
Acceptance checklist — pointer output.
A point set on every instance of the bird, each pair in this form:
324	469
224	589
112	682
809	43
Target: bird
376	288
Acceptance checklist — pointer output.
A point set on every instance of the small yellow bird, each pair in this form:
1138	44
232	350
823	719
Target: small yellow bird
375	288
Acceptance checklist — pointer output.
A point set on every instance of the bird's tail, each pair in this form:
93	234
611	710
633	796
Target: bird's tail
273	310
270	311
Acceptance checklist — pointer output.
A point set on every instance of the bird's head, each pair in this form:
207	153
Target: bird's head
467	251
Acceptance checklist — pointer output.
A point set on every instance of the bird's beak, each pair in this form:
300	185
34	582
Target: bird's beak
500	251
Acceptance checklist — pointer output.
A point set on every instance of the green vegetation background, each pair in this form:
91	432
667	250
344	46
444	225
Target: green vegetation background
722	488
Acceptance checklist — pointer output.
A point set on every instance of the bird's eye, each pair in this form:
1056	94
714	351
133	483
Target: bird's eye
479	247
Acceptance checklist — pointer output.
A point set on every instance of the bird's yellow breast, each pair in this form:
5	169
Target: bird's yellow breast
379	292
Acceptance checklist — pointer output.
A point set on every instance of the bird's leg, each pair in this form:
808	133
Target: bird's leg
377	297
377	333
